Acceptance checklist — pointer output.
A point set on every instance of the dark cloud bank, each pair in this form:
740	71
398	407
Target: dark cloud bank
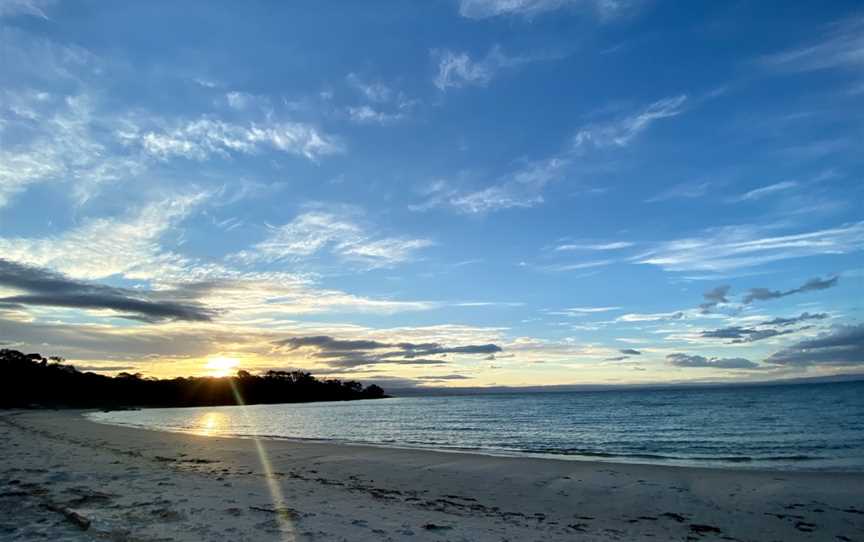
627	353
714	297
353	353
762	330
689	360
720	294
43	287
763	294
843	345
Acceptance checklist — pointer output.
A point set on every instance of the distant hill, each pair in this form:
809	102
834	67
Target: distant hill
31	380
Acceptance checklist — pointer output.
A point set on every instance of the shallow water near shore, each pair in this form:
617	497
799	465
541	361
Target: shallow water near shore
800	427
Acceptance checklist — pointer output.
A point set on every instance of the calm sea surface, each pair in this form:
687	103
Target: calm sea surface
802	427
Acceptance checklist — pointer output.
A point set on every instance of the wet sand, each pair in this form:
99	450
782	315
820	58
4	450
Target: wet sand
64	477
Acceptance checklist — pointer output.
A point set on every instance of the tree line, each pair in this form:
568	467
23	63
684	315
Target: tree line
31	380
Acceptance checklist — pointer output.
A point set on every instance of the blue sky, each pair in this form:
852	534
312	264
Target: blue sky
452	192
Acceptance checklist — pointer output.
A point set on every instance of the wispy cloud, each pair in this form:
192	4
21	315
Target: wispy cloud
842	46
650	317
488	304
520	189
365	114
762	192
102	247
483	9
56	140
383	103
239	100
564	267
71	139
736	247
374	91
36	8
458	69
690	190
523	188
582	311
386	251
202	138
622	132
269	297
617	245
315	231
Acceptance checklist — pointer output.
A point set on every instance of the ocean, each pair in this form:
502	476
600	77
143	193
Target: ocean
792	427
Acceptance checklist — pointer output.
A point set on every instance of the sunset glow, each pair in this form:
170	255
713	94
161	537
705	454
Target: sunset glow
221	366
490	203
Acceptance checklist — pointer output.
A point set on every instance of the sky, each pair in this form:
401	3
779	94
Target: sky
437	193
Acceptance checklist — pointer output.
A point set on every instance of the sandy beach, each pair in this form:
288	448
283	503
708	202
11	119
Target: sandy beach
64	477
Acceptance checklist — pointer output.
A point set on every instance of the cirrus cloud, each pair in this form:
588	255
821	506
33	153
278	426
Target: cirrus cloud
199	139
484	9
736	247
313	232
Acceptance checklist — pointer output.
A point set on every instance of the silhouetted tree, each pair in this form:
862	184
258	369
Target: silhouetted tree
373	391
30	381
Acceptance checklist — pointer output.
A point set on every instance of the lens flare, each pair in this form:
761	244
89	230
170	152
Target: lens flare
283	512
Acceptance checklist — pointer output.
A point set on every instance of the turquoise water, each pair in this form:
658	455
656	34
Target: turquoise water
802	427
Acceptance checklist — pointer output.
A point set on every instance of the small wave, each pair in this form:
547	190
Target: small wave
792	458
669	457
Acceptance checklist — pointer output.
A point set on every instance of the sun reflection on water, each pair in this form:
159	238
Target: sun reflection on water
215	423
212	423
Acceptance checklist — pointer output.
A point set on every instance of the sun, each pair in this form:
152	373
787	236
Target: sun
221	366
